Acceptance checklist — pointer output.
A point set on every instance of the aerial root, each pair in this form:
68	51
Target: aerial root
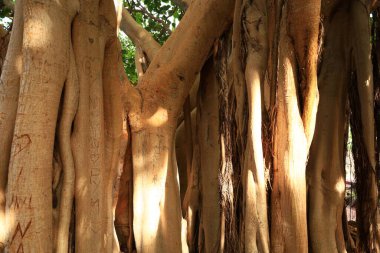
70	105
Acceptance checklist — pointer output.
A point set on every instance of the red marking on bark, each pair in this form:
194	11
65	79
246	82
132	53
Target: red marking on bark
19	174
20	249
19	202
20	143
18	229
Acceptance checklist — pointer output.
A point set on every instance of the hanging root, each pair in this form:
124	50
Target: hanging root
188	152
189	135
363	171
114	123
362	122
191	200
124	208
70	104
230	168
9	91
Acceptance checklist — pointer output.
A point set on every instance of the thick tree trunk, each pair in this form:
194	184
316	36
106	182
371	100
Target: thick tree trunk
294	123
45	69
288	208
88	135
9	90
209	155
61	96
326	177
326	168
364	129
153	117
254	183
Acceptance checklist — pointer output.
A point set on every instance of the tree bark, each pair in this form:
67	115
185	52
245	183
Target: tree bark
153	118
364	133
254	183
288	208
209	155
62	94
295	119
45	69
4	41
9	90
325	171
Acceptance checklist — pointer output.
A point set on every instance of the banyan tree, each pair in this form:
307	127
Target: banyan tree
233	138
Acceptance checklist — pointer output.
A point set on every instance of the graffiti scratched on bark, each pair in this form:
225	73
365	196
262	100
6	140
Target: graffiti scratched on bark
22	233
20	143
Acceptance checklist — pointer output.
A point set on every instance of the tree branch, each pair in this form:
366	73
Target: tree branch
183	4
181	58
139	36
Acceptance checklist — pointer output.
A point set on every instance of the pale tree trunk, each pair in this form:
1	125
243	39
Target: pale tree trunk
326	175
113	129
146	49
289	233
209	155
153	118
364	129
326	178
62	92
45	69
95	142
294	123
252	16
9	89
254	183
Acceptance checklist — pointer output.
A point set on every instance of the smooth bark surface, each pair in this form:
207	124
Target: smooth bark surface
30	227
153	120
209	152
326	178
254	184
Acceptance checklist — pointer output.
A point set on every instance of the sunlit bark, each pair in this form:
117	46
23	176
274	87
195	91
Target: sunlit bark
238	147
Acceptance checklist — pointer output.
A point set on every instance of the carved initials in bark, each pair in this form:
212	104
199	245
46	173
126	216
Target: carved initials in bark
19	202
20	143
95	174
22	233
2	116
95	203
20	249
